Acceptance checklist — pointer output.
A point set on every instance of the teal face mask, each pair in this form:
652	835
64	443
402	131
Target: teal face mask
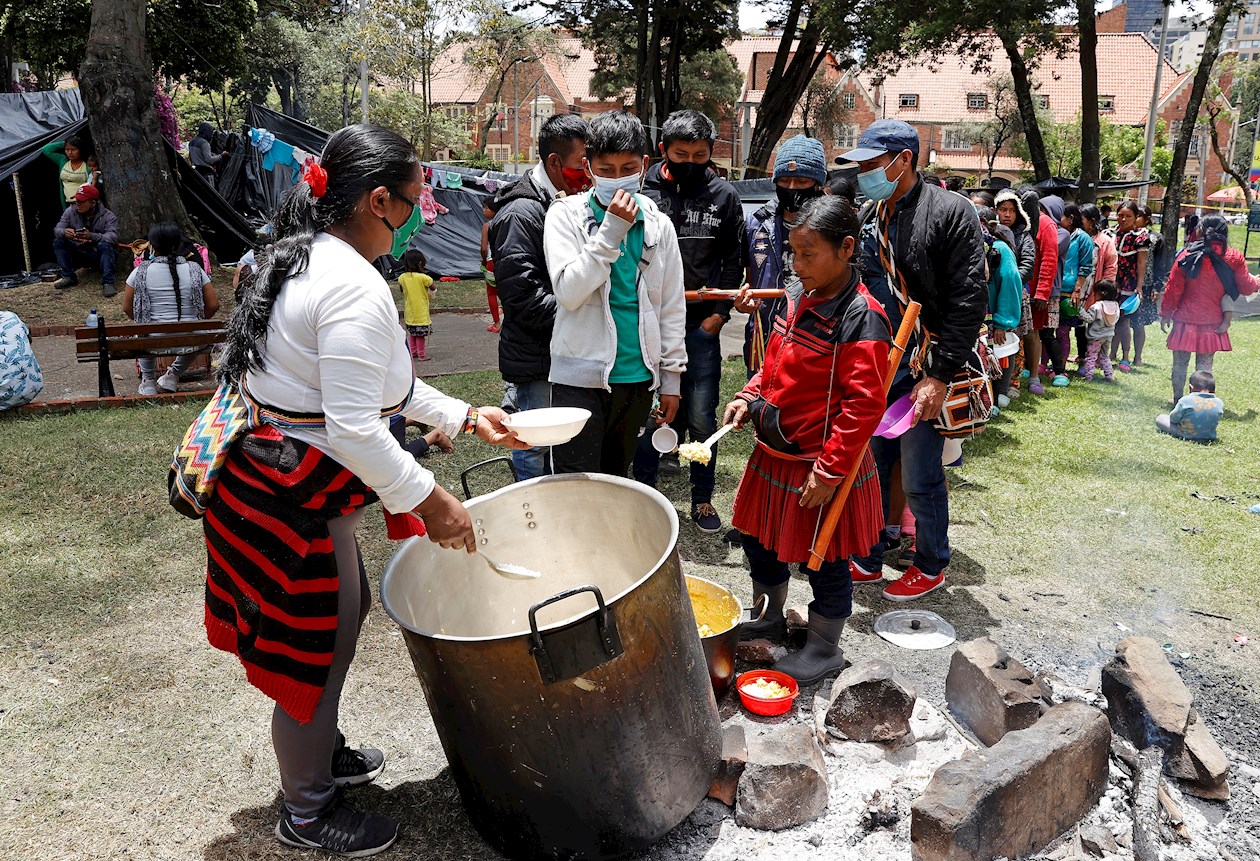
403	234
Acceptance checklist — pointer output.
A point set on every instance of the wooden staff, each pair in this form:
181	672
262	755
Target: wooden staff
836	507
706	293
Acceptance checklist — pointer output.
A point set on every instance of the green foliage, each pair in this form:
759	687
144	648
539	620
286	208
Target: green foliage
480	161
1120	147
50	35
1004	126
711	83
407	115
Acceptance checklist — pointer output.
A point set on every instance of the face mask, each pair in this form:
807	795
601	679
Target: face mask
687	172
575	179
606	187
792	199
876	185
403	234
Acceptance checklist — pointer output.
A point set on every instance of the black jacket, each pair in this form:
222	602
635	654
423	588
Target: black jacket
520	271
940	252
709	221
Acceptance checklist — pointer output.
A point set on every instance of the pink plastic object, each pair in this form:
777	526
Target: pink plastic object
897	418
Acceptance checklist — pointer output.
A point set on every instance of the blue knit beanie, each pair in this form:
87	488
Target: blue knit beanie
802	156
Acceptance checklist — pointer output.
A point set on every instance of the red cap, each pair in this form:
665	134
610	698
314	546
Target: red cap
87	192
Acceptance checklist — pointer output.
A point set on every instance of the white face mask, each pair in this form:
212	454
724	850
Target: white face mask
606	187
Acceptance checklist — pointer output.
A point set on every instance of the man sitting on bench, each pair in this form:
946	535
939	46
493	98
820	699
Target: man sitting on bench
85	235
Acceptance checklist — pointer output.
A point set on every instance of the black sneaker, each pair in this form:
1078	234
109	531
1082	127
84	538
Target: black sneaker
64	283
342	830
669	464
706	517
352	766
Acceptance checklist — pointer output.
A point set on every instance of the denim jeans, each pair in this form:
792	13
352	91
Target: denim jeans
532	463
697	415
181	363
70	255
923	480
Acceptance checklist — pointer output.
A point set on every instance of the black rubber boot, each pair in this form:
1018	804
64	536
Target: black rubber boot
772	624
821	654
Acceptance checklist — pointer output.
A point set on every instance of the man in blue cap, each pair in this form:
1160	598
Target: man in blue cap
932	251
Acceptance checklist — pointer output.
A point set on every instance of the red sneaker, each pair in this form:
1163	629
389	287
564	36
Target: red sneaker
912	586
861	575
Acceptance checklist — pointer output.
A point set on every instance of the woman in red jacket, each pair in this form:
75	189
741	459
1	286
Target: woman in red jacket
1206	274
815	403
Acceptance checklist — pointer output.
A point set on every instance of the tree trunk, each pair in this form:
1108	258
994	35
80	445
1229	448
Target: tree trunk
494	115
671	87
1171	218
299	105
784	90
642	75
1230	168
1022	78
284	89
1087	186
656	98
117	87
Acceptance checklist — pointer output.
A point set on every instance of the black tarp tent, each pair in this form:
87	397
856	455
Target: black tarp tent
30	121
452	245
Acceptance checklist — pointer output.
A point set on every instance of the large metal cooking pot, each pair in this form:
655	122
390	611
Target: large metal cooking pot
575	709
719	647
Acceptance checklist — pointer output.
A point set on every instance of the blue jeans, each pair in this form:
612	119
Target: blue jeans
923	480
70	255
532	463
697	415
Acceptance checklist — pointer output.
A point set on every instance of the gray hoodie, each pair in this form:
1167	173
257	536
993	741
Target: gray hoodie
1025	240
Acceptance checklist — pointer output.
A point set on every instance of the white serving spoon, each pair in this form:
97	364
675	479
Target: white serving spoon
510	570
691	450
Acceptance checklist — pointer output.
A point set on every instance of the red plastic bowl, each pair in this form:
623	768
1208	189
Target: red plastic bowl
762	705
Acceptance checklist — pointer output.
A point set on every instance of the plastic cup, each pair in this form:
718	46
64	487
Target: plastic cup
665	439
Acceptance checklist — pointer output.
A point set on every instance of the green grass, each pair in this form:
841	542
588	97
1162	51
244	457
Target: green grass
1075	484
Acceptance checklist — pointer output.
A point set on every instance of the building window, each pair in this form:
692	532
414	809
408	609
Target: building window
499	152
977	101
541	109
850	101
846	136
455	112
1106	104
957	138
1194	147
908	100
1043	102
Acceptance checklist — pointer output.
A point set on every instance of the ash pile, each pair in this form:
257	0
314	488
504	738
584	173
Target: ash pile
1015	764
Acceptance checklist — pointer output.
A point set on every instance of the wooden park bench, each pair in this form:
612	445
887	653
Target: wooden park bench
110	341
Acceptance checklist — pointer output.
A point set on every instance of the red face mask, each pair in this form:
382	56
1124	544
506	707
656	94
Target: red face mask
575	179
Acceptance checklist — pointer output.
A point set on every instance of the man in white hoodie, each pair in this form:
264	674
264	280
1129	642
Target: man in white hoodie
621	311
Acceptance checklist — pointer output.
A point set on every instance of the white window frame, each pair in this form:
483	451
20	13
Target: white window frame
846	135
957	139
977	101
908	101
1106	104
501	153
849	100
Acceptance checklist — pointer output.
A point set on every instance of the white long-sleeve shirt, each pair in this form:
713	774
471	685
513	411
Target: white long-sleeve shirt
334	346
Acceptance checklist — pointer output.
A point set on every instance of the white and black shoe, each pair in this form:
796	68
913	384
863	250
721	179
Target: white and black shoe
353	766
341	830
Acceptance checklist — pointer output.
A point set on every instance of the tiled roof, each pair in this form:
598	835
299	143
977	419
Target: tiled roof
971	162
450	81
1126	72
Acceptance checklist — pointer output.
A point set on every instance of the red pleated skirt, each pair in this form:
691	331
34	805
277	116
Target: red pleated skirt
767	506
1194	338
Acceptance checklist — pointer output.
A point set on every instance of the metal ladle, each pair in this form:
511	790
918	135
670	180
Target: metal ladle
509	570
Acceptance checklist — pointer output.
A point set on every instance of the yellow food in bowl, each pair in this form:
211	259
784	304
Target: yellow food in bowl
696	451
766	689
714	613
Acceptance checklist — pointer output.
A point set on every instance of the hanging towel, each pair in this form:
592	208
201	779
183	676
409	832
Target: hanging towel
454	180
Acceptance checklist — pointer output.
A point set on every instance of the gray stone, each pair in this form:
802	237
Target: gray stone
759	651
1097	840
784	783
1148	702
871	701
1202	764
734	758
1018	796
991	692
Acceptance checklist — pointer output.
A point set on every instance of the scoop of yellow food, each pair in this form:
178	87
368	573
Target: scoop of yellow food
706	631
696	451
766	689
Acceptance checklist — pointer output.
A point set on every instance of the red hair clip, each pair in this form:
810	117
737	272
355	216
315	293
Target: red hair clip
317	178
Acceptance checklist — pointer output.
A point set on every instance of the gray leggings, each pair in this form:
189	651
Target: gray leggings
305	751
1181	364
148	366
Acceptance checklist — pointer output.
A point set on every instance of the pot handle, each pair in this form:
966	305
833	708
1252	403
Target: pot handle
463	476
764	601
577	648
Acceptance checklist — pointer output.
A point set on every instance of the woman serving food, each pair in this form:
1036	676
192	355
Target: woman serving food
814	403
316	341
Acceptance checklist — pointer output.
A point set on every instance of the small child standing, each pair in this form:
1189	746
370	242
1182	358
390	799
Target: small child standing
417	289
1100	315
1196	415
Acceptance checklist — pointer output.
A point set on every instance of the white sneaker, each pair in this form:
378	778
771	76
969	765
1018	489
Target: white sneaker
1013	394
1004	401
148	387
168	382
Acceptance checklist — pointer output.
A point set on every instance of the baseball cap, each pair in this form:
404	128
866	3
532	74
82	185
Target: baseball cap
883	136
87	192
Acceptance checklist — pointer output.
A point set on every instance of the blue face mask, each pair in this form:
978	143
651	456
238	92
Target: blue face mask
876	185
606	187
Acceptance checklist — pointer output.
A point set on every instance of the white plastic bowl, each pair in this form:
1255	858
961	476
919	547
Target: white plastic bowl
549	425
1010	348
